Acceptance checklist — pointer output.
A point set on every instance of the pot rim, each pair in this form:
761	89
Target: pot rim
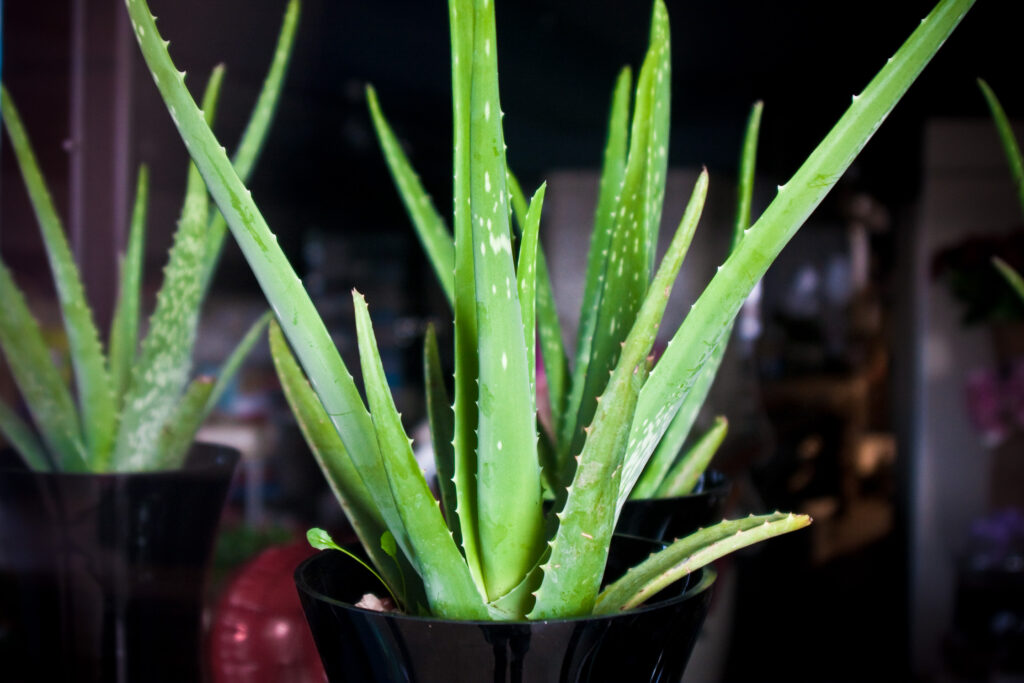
204	458
705	579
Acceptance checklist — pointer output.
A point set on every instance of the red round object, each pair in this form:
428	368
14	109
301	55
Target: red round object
259	632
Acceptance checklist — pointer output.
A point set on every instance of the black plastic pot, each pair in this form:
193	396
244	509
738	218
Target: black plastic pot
101	575
666	519
651	643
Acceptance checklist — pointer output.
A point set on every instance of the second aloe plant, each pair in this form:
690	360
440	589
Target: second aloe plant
136	408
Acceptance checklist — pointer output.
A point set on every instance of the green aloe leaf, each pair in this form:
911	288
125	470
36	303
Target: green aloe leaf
709	321
95	393
549	332
165	361
460	17
430	227
609	198
446	579
179	431
509	514
47	397
526	281
21	438
330	454
124	330
748	166
442	431
626	273
1006	138
572	574
689	554
256	129
685	474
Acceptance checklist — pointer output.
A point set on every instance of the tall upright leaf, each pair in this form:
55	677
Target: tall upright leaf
510	519
430	227
124	330
609	200
462	27
1006	138
95	393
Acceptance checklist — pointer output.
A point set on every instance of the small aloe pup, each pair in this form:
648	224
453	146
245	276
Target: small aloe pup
489	551
136	409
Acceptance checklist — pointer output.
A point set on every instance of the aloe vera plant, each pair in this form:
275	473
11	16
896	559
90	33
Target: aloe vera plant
136	409
489	550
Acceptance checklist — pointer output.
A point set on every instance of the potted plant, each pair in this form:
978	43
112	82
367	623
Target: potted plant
107	508
673	496
488	569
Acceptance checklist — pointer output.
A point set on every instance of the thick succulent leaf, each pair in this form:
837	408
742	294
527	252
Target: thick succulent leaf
685	474
626	273
256	129
689	554
124	330
526	281
462	21
609	200
509	514
579	549
92	380
180	429
21	438
44	392
234	362
446	579
659	61
549	331
1006	138
334	461
165	361
572	574
748	166
1012	276
442	431
294	309
709	321
430	226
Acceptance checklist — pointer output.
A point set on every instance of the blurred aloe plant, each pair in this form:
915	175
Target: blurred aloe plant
490	551
1016	163
136	409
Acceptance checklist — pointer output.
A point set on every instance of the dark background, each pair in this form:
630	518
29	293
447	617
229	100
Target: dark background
94	115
